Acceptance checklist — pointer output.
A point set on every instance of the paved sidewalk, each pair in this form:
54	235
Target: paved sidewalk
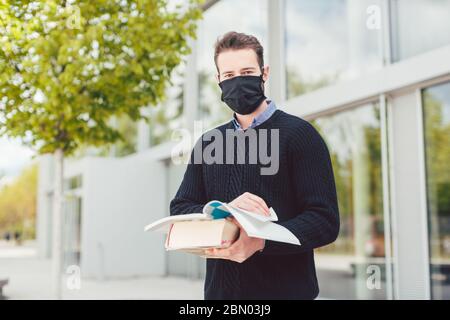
30	278
9	249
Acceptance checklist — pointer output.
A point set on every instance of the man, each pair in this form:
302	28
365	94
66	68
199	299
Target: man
302	191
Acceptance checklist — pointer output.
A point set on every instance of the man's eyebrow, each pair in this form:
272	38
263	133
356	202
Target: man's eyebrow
230	71
243	69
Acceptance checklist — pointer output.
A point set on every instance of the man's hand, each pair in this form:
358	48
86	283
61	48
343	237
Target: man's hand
243	248
251	202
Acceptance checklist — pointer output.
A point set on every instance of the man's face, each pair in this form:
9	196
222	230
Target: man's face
242	62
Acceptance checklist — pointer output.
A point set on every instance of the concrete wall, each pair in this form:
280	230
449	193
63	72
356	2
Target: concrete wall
120	197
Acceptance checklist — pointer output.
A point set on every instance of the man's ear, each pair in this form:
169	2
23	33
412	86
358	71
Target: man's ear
217	77
265	73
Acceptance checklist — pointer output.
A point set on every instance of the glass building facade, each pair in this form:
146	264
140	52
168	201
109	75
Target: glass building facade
335	68
326	42
354	138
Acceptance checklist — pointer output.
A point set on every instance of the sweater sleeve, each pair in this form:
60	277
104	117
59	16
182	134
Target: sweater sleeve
317	222
191	195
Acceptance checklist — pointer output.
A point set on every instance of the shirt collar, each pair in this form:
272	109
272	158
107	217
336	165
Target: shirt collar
260	118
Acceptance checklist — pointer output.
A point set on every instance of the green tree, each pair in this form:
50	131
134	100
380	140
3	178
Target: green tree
67	67
18	204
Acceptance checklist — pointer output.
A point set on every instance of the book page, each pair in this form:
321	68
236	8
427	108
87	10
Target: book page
264	230
272	217
217	210
162	225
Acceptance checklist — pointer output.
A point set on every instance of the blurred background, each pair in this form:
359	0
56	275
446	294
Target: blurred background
373	76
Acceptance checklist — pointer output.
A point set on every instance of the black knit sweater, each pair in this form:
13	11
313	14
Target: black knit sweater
303	195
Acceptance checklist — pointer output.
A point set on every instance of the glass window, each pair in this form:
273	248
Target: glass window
75	182
220	18
168	115
419	26
436	107
330	40
353	267
72	230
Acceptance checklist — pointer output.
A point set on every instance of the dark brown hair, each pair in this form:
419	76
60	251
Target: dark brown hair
234	41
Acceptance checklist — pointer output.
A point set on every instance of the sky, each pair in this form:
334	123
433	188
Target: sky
13	156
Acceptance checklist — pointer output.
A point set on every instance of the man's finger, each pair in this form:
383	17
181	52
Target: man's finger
217	252
260	201
251	205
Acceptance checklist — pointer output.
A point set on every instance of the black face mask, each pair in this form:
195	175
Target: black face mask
243	94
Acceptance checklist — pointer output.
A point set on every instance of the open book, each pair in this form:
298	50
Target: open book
256	225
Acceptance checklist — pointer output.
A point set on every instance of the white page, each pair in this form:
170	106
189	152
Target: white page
265	230
208	209
272	217
162	225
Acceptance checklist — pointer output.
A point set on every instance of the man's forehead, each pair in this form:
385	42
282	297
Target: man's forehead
237	60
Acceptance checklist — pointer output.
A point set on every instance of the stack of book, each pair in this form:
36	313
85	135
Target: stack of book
198	235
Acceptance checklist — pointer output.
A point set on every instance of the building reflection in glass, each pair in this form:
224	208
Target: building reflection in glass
436	108
345	266
327	41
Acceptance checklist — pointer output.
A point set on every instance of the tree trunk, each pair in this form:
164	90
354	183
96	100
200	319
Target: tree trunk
58	199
